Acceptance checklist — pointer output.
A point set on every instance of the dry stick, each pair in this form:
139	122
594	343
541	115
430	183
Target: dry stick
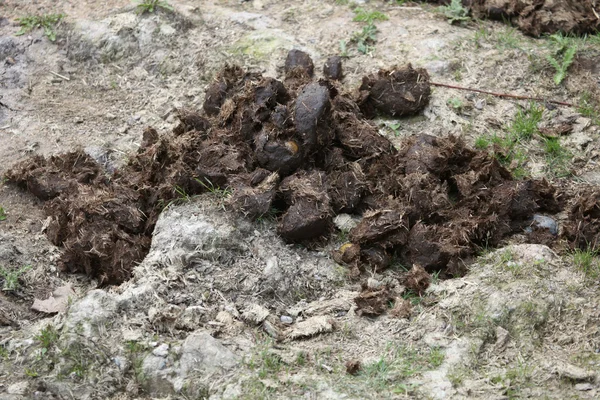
512	96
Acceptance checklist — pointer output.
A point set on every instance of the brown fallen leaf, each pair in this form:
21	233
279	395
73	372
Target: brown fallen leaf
57	302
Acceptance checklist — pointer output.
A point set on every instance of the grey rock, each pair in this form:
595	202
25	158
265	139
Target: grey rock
200	351
286	320
89	315
544	222
574	373
122	363
18	388
582	387
161	351
185	235
156	376
437	67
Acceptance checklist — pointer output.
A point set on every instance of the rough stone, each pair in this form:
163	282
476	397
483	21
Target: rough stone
88	315
191	235
575	373
200	351
161	351
18	388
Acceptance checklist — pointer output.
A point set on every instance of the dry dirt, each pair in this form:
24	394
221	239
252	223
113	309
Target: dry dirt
334	237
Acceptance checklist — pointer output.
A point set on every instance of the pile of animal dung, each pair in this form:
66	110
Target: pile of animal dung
304	151
539	17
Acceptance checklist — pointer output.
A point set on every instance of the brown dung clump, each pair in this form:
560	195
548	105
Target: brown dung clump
539	17
303	151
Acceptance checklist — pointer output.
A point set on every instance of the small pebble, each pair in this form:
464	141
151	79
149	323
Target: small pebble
544	222
161	351
286	320
582	387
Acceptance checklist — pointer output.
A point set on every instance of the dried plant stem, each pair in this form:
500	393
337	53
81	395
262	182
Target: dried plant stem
512	96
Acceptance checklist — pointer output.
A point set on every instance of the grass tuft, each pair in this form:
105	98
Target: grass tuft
365	38
455	12
47	21
11	278
525	124
369	17
150	6
587	261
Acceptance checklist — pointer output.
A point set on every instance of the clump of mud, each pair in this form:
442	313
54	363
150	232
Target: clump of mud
539	17
303	151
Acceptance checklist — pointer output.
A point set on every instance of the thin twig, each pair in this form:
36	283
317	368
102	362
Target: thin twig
60	76
512	96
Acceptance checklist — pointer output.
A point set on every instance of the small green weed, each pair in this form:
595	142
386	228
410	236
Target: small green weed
2	214
343	49
32	373
508	38
506	256
557	157
413	297
47	337
587	261
395	128
153	5
482	34
11	278
369	17
457	375
136	352
518	378
589	107
221	193
269	216
525	124
183	195
482	143
436	357
455	103
455	12
265	361
552	147
399	364
3	352
435	277
508	152
46	21
301	358
561	62
365	38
